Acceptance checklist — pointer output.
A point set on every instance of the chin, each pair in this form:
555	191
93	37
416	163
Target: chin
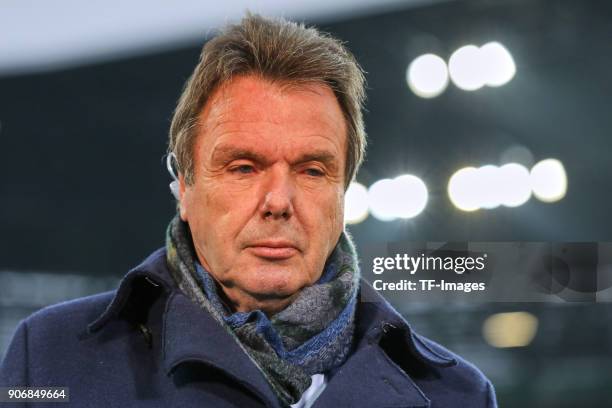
275	284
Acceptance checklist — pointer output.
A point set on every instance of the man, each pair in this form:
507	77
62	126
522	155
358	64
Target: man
256	299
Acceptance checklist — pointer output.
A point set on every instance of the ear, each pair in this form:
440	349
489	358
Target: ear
183	197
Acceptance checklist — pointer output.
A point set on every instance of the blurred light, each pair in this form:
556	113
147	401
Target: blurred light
549	180
462	189
410	196
465	68
517	154
488	190
489	186
427	76
498	64
355	203
380	197
403	197
515	329
471	67
515	186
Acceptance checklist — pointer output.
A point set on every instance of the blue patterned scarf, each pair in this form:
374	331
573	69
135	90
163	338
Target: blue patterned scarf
312	335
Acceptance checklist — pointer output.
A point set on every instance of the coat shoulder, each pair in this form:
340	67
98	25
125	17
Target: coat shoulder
463	380
63	321
46	347
446	378
80	311
463	367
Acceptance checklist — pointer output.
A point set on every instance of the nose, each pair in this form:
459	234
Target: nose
278	195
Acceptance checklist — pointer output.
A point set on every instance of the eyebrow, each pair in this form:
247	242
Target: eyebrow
224	154
323	156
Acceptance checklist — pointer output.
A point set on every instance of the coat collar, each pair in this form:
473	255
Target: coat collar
387	384
183	341
376	319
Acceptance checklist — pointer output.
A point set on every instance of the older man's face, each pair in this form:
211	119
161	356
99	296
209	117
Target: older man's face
266	206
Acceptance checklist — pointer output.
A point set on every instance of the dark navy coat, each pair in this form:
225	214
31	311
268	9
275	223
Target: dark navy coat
146	344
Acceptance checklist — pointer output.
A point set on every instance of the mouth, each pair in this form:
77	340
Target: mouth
276	250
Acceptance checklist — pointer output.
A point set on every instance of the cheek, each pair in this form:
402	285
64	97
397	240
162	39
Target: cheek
217	219
213	197
329	220
340	206
225	211
336	205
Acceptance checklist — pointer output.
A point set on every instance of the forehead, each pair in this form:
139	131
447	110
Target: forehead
254	111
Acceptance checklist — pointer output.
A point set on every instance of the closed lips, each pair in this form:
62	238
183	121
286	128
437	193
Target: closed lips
274	249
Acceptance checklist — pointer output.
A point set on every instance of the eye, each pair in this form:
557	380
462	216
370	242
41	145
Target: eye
243	169
314	172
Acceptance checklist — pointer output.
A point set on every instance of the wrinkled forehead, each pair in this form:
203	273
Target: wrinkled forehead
248	105
253	96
